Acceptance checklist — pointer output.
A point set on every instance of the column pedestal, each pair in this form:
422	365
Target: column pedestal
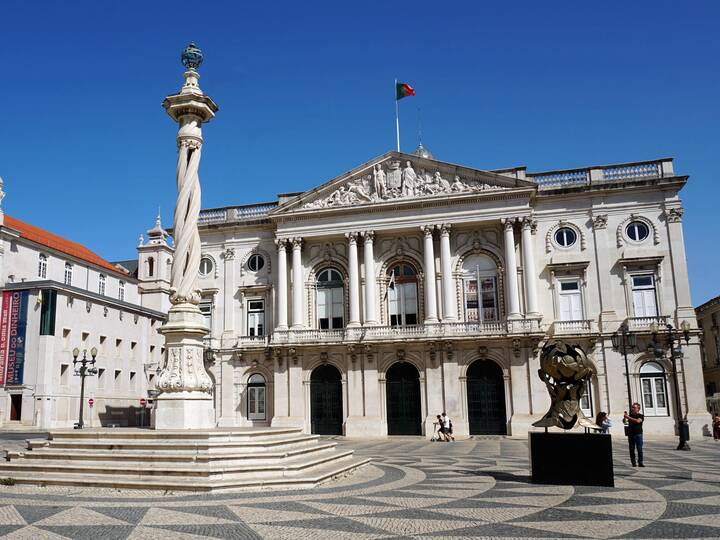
186	400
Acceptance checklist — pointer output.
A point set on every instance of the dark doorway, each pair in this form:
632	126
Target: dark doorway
326	410
403	400
15	407
486	399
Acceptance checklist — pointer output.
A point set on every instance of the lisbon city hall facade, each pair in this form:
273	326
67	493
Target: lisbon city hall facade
408	286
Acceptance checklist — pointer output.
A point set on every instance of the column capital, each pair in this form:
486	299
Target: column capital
427	230
674	215
368	236
281	243
352	237
228	254
296	242
508	223
599	221
444	229
529	222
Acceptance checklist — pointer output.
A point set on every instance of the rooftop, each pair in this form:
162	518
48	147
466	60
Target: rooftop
57	243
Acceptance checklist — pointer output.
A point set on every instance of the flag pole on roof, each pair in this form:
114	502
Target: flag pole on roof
402	90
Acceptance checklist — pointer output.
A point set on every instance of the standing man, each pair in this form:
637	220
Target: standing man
634	431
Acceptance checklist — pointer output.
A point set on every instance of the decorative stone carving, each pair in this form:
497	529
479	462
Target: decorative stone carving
229	254
620	232
184	373
674	215
529	222
599	221
390	181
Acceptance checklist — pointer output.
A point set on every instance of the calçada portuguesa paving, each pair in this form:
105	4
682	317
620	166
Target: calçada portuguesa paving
413	489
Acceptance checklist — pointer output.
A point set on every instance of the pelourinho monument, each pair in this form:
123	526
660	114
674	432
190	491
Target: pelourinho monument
186	401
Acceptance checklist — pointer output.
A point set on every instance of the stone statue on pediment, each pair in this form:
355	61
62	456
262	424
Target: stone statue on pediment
409	180
458	185
379	182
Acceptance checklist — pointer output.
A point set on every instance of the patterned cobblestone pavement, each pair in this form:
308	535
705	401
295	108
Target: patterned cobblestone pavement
413	489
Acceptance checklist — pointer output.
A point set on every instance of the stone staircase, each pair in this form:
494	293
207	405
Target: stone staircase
190	460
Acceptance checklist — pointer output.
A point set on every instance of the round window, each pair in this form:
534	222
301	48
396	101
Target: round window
637	231
206	266
565	237
255	262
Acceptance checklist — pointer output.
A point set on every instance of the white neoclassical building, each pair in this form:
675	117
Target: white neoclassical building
409	286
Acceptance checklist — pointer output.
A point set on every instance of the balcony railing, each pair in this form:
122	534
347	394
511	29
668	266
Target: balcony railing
572	327
607	173
639	324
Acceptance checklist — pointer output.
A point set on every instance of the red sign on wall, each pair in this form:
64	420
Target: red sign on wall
91	402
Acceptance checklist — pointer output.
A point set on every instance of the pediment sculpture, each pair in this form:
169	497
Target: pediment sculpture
393	182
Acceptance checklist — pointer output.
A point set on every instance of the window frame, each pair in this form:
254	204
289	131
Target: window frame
211	268
635	223
255	257
562	229
102	284
653	287
42	265
255	311
654	378
404	284
68	275
577	292
335	287
121	290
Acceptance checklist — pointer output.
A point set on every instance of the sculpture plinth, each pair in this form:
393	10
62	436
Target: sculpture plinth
185	400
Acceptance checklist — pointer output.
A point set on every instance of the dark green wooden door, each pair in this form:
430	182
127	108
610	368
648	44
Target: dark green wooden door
403	400
326	410
486	399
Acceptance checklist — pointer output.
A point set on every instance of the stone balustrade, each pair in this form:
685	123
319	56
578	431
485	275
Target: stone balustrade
233	214
573	327
643	324
607	173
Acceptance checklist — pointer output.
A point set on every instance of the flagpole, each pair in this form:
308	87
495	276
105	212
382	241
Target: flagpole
397	117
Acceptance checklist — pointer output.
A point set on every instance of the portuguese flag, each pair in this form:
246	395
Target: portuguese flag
403	90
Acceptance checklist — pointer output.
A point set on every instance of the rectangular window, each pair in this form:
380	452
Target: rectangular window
42	266
121	291
64	374
402	304
643	295
206	310
330	308
570	300
654	396
47	313
101	284
256	317
68	274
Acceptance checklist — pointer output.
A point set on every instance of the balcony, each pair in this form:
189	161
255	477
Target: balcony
604	174
643	324
565	328
380	334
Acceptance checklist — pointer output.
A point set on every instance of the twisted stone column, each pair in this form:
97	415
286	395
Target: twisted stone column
186	389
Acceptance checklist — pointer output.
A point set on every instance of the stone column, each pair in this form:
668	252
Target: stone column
608	316
353	279
282	308
297	283
186	401
513	295
229	330
528	253
430	296
448	290
370	280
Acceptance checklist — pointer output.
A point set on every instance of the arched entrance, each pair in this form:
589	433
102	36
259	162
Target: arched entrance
486	398
326	409
403	400
256	396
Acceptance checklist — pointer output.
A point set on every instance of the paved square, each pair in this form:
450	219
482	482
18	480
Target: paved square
413	489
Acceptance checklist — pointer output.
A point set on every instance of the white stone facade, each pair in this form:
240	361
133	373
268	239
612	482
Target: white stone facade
708	317
96	304
454	276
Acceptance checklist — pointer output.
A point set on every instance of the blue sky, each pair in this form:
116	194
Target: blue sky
305	93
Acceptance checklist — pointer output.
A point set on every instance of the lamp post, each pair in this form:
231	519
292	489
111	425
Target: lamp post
625	340
83	371
673	336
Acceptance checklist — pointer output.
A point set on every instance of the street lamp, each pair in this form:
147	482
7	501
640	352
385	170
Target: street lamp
673	336
83	371
624	341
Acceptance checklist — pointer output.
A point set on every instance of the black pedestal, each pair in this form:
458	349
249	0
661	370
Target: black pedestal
571	459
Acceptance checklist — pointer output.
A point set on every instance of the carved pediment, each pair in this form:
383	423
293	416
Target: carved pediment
397	180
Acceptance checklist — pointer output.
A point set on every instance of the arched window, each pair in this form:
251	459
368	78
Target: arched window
150	267
654	389
42	266
330	293
480	288
402	295
121	291
68	274
101	284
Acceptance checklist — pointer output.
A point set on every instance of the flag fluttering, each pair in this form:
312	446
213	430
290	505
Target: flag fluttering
403	90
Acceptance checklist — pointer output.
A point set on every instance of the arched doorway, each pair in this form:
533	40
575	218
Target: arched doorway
486	399
403	400
256	396
326	409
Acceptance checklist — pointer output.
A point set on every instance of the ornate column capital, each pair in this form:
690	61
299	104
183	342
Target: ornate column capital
228	254
351	237
281	243
368	236
444	229
508	223
674	215
599	221
529	222
427	230
297	243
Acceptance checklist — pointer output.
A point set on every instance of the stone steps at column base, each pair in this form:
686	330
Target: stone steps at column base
189	446
183	435
188	470
285	480
168	457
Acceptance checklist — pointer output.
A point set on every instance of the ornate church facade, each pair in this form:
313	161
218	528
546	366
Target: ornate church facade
409	286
